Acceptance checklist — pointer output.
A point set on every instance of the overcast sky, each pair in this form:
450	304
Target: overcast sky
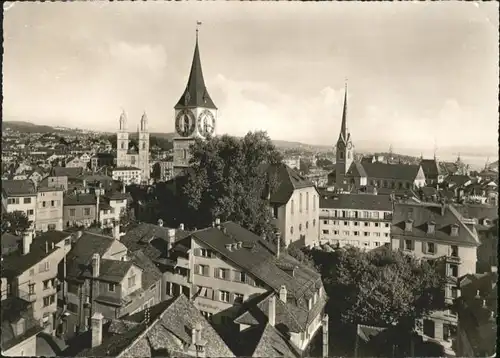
418	73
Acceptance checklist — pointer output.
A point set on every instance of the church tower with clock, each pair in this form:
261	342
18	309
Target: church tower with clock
345	149
195	114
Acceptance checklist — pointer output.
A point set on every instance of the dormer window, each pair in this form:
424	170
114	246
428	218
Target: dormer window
309	303
454	230
409	225
431	227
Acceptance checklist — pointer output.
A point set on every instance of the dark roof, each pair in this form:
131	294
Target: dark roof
71	173
385	171
458	180
422	214
356	170
14	309
195	94
18	187
357	201
478	211
125	168
116	195
80	199
114	270
287	180
150	274
10	243
168	332
430	168
79	258
266	341
258	257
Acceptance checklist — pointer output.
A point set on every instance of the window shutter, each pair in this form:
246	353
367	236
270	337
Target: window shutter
231	297
424	247
197	252
216	295
216	269
402	243
206	270
197	289
210	293
196	268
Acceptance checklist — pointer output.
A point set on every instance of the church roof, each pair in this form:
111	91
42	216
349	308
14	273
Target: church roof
196	94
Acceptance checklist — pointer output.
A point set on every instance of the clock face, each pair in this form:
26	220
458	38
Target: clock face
185	123
206	123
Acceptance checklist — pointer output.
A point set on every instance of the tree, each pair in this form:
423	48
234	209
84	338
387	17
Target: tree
305	166
15	222
228	181
380	288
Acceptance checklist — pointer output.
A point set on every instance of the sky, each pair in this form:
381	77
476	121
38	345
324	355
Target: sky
420	75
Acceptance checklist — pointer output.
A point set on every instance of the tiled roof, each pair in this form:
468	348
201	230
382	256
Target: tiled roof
258	258
79	258
386	171
80	199
150	274
478	211
287	179
422	214
71	173
117	196
356	170
114	270
170	321
430	168
357	201
270	342
10	243
18	187
457	180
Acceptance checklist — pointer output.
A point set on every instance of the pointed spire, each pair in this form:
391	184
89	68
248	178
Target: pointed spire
196	94
144	121
123	120
344	132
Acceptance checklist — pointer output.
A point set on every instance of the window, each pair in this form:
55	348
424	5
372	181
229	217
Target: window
46	285
377	244
32	272
454	292
238	298
205	253
111	287
375	215
408	245
31	212
386	224
300	202
431	249
341	154
51	227
222	273
346	223
27	201
307	225
307	202
292	206
52	203
86	211
386	234
429	328
454	251
314	222
291	230
326	231
202	270
325	222
377	234
344	214
122	144
47	301
367	223
72	212
356	233
366	233
453	270
449	331
31	288
314	202
207	315
356	223
131	281
377	224
239	276
43	204
300	227
346	233
223	296
44	266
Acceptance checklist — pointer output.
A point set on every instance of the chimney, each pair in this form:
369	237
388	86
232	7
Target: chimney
96	265
96	329
278	244
160	222
454	230
26	243
181	226
431	227
272	310
409	225
170	239
283	293
443	208
116	231
46	247
234	246
217	223
239	245
123	188
193	336
53	246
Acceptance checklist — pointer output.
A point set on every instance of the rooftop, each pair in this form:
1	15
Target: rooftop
18	187
357	201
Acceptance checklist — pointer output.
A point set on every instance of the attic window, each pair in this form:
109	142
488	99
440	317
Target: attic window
454	230
309	303
409	225
431	227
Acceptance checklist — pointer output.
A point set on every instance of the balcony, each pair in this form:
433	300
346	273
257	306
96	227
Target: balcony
182	262
453	258
30	297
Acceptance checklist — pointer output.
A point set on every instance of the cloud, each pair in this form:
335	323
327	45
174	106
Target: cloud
248	106
139	56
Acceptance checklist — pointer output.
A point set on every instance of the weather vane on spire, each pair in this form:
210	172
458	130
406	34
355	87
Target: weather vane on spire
198	24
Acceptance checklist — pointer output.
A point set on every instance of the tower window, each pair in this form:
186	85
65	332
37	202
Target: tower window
341	155
143	145
122	145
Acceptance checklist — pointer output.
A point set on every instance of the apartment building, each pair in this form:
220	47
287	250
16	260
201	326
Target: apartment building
163	170
49	209
31	274
360	220
127	175
294	204
19	328
173	328
228	271
20	195
79	210
439	232
102	276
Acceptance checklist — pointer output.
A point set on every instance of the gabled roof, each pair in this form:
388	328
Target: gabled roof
287	180
71	173
166	333
458	180
430	168
150	273
478	211
114	270
80	199
18	187
356	170
258	257
195	94
389	171
268	342
422	214
357	201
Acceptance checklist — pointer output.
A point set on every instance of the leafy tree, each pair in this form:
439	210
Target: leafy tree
15	222
305	166
324	163
380	288
227	181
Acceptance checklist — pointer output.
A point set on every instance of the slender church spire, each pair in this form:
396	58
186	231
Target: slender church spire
196	94
344	131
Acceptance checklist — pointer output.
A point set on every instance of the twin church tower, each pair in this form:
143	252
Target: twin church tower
196	117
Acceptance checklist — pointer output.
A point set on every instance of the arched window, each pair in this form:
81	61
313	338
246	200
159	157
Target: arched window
291	230
348	155
314	202
300	202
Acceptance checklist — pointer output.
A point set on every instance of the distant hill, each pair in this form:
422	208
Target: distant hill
28	127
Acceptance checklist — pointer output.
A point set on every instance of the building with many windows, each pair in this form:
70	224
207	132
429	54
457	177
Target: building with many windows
360	220
437	232
49	209
127	175
20	195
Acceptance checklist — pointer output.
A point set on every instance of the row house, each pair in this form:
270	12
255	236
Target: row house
173	328
437	232
229	272
294	203
30	274
360	220
101	276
